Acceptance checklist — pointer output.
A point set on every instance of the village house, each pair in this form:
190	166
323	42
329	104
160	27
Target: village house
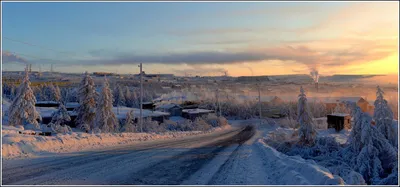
332	102
192	114
173	109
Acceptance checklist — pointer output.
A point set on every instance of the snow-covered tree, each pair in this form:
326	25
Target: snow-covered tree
22	110
9	90
129	125
61	116
52	93
87	104
13	91
59	120
383	117
128	97
318	109
119	98
38	93
47	92
368	163
307	132
289	110
71	95
355	134
106	120
371	154
150	125
135	99
57	93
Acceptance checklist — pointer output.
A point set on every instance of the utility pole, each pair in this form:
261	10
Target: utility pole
141	98
259	99
216	95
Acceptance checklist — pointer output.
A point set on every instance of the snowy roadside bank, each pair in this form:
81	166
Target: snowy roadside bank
15	145
294	170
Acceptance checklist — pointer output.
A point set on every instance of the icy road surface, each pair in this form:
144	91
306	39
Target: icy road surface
234	156
207	159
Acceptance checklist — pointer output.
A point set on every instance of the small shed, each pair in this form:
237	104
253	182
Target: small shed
339	121
173	109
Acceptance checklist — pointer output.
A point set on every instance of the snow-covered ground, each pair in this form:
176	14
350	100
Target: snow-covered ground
290	134
253	162
256	163
184	161
15	145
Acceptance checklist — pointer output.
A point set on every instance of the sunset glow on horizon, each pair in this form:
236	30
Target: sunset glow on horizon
206	39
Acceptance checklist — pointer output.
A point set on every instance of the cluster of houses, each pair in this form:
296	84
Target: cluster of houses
158	113
189	110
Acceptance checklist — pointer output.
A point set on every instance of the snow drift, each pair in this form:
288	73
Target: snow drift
294	170
15	145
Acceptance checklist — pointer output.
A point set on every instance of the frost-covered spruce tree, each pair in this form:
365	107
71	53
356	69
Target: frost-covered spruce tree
22	110
59	120
52	92
129	125
374	154
368	163
49	92
383	117
307	132
42	92
87	103
105	117
355	134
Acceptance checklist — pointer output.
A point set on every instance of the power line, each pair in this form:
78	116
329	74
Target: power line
39	46
70	54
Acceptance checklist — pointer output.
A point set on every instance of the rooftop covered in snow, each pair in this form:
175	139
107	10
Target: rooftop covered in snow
197	111
136	112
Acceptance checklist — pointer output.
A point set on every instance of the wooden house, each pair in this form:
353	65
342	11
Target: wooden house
173	109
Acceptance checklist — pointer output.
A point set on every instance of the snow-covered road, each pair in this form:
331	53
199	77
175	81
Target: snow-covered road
155	162
233	156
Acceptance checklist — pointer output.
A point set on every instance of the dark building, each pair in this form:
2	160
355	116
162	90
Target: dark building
52	104
339	121
173	109
148	105
190	105
192	114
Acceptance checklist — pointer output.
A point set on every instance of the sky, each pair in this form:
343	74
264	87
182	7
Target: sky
202	38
